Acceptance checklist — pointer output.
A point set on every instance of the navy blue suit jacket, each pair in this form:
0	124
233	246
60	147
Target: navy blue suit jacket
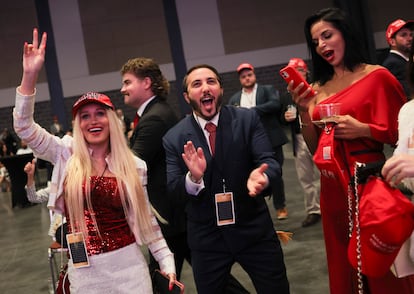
269	108
241	146
398	66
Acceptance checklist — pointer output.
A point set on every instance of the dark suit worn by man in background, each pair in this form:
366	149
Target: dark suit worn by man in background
223	183
400	38
145	89
264	99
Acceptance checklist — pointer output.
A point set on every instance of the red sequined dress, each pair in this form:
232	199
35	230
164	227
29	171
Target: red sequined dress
116	261
113	227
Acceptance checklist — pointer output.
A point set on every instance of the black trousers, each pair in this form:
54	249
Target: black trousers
179	246
263	261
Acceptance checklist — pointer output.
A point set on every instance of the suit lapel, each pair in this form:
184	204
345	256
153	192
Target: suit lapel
148	107
196	135
259	95
239	98
224	134
146	110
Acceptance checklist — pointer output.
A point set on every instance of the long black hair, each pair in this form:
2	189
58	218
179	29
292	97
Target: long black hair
354	54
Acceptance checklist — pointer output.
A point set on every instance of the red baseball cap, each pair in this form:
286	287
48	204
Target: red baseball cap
92	97
386	219
397	25
244	66
298	63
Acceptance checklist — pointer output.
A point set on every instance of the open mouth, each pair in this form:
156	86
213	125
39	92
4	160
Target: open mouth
206	101
95	130
328	55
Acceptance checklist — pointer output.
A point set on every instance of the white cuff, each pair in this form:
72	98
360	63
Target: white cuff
191	187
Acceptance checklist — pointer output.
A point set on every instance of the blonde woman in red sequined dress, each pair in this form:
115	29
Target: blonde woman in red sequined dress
98	184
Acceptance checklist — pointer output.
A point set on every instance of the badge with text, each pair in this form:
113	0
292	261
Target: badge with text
77	250
225	209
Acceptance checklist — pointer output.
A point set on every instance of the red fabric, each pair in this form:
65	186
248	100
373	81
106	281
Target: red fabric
136	120
386	221
375	99
211	129
328	157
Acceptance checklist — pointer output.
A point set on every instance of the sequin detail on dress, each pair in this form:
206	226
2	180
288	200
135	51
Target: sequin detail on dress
113	227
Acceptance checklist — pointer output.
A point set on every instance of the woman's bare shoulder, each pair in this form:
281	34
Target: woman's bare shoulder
368	68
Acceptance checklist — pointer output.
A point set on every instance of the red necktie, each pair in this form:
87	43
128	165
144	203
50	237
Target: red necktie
211	129
136	120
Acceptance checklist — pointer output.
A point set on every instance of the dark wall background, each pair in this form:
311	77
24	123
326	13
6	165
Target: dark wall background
43	112
245	25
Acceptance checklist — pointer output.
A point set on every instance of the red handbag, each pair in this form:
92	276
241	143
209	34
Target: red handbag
329	157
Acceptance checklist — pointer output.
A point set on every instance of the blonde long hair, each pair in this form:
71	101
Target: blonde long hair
123	166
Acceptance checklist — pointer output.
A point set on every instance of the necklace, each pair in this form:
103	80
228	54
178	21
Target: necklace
106	166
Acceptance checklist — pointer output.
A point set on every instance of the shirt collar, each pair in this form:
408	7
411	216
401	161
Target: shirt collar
399	53
202	122
141	109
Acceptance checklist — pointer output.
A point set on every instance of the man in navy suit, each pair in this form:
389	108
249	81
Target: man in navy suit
223	174
400	38
264	99
145	88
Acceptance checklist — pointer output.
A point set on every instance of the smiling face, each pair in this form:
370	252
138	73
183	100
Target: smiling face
204	92
135	90
329	43
94	124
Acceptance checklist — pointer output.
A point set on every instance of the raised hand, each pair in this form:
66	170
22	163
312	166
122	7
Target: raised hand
302	101
33	59
34	54
195	160
29	169
257	180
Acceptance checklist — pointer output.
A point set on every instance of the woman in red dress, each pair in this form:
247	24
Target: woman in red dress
370	98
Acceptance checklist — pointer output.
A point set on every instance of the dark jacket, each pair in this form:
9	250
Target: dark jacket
268	107
398	66
241	146
146	141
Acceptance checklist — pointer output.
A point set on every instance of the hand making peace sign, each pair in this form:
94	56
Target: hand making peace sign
33	59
